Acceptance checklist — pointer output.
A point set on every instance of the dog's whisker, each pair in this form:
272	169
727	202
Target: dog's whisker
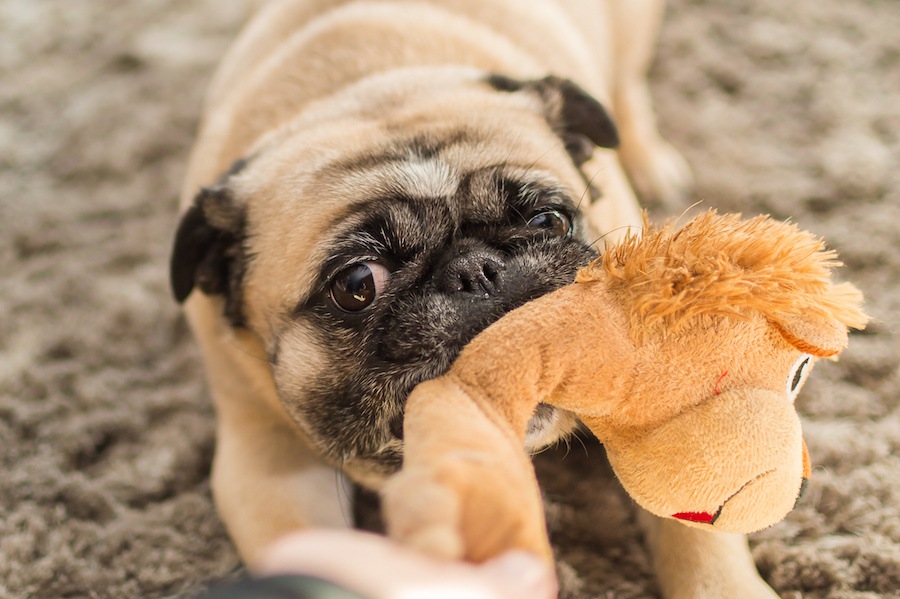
581	442
514	145
610	232
565	439
686	210
587	188
541	157
340	485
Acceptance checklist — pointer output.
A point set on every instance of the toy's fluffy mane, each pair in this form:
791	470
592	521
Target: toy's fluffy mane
721	265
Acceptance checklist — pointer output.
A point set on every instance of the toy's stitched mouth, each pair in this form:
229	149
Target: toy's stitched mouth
700	517
708	518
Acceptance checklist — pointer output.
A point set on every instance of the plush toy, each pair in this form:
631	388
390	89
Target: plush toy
681	350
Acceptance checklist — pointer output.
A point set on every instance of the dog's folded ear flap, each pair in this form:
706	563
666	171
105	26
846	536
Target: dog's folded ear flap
208	249
571	111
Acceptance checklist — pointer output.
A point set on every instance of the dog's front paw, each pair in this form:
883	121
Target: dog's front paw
692	563
751	588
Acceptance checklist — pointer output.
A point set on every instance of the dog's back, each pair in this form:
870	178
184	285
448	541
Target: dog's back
295	52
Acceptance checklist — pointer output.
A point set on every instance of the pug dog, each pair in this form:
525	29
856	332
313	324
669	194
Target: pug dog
375	182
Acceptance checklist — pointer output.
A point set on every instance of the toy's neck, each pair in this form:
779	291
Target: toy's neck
571	349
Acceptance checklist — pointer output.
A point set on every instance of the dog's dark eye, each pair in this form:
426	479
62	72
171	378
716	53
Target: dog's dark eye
553	222
355	287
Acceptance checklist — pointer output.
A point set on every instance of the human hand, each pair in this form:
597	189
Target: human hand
379	568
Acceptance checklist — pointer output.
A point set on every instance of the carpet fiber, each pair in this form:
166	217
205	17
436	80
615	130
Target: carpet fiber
106	427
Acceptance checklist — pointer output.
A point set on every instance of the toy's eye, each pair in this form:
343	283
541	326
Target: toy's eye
553	222
356	286
797	374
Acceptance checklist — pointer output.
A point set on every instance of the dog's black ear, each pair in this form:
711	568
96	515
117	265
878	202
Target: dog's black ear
572	112
208	252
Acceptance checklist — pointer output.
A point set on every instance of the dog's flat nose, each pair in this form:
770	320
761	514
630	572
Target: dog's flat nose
477	273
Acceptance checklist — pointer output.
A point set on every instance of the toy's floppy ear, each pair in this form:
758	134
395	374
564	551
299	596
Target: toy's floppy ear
576	116
824	336
818	337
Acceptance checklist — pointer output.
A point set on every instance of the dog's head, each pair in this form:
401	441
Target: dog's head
366	243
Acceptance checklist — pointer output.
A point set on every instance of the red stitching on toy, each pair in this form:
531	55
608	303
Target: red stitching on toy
716	389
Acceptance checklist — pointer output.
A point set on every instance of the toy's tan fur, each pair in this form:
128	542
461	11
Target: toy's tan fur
698	419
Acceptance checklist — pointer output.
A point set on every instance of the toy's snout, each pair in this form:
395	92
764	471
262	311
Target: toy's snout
735	462
711	517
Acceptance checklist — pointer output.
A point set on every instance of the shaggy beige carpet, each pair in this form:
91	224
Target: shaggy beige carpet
791	108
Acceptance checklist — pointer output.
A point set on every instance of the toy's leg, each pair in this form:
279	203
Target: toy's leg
696	564
657	171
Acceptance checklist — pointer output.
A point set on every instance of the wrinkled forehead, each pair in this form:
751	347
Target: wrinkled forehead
471	167
305	192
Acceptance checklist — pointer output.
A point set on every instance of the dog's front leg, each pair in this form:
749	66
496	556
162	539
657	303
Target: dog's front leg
267	482
266	479
657	171
696	564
